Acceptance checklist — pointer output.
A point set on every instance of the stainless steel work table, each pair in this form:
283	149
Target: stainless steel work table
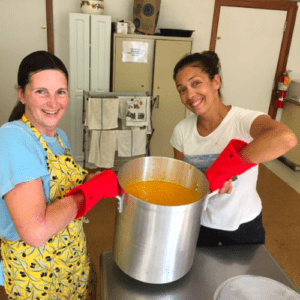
211	267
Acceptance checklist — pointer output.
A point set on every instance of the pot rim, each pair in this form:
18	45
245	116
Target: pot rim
160	158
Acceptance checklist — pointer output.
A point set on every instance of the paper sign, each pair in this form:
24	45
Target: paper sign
135	52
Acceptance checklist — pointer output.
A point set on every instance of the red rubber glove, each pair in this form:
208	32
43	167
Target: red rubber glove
227	165
103	185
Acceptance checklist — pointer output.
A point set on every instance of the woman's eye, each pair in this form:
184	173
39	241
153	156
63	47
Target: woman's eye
181	91
40	92
62	92
196	83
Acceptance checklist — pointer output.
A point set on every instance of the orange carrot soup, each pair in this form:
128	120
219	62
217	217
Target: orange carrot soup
162	192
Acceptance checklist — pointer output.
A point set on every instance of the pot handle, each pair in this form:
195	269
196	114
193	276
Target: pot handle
120	203
212	194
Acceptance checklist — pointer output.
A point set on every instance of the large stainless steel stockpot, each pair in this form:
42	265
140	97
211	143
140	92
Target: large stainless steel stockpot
155	243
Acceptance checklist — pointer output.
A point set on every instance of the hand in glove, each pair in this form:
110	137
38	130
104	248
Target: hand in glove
103	185
227	165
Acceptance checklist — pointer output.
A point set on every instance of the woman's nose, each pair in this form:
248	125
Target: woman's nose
190	93
52	101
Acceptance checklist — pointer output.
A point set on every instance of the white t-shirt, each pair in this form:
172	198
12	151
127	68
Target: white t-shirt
225	211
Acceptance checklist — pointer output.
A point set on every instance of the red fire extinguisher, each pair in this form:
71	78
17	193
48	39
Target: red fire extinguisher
282	86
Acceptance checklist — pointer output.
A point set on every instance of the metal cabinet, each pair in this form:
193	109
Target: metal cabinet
89	52
145	64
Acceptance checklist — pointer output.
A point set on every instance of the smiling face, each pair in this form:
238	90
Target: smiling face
46	99
197	91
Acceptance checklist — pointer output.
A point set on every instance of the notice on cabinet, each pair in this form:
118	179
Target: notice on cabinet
135	52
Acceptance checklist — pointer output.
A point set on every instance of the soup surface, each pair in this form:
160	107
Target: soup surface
162	192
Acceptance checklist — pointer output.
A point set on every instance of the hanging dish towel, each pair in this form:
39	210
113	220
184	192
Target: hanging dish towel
124	127
131	142
102	113
102	148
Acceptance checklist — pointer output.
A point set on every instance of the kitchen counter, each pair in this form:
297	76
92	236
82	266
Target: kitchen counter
212	266
292	101
290	117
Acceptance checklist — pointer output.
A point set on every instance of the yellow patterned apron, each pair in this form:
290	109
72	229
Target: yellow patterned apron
60	269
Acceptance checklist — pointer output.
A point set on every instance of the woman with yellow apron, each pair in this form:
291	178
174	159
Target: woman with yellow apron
44	253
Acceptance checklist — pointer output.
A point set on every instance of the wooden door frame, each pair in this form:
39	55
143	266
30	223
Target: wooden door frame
50	33
288	6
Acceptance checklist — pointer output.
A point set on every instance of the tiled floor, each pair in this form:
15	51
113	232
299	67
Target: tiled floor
291	177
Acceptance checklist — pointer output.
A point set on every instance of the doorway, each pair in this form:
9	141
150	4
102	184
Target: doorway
282	14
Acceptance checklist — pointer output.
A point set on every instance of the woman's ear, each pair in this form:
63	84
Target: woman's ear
20	94
217	81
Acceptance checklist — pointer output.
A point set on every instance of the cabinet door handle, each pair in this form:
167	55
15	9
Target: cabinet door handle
156	101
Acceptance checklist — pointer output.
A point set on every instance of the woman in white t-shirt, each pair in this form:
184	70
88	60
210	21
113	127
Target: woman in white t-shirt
234	215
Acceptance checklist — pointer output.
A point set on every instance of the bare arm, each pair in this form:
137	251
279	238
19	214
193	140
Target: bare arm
34	221
271	139
177	154
91	175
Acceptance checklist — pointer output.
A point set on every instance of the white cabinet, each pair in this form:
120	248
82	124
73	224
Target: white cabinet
152	73
90	44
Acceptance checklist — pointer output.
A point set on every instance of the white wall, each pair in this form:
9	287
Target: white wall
20	34
190	14
294	56
293	62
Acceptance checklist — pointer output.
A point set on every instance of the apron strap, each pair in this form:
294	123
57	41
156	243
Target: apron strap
0	248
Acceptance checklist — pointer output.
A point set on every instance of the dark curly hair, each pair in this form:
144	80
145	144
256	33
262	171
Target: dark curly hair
207	61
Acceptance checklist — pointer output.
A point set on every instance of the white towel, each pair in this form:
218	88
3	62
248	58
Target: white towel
103	148
131	142
102	113
123	125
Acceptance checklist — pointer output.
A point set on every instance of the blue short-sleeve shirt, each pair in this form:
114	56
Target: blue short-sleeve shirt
22	158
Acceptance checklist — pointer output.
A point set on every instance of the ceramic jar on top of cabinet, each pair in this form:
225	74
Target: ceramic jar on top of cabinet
92	7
